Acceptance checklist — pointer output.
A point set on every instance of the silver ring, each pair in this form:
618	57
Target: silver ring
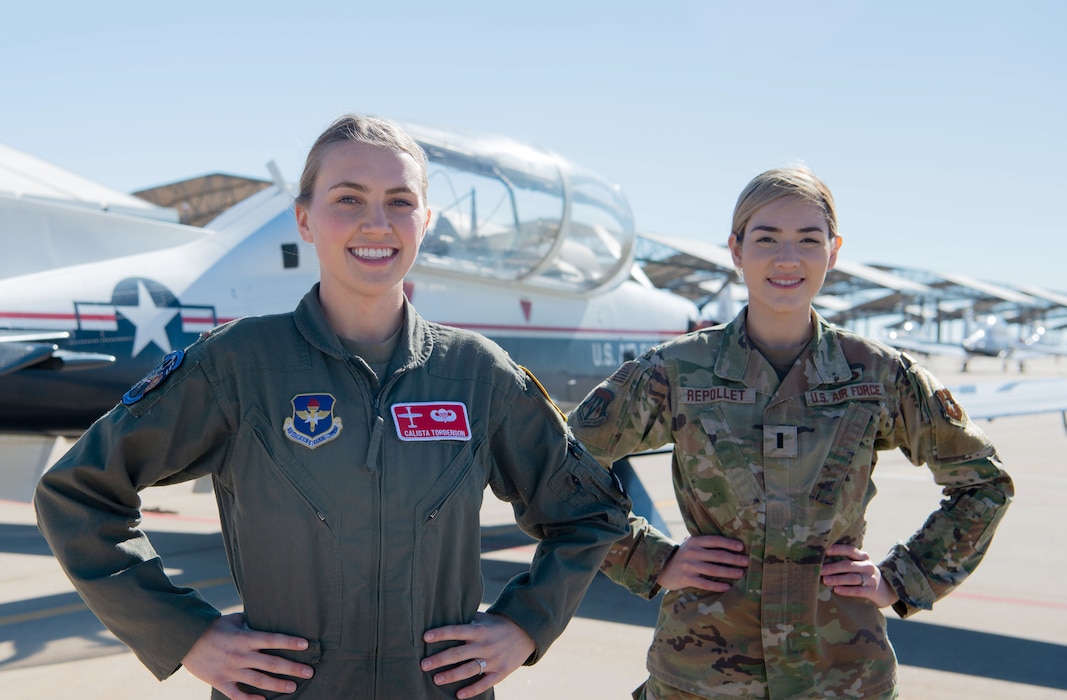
481	662
863	583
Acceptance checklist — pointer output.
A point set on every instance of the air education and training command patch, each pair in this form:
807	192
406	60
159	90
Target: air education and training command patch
154	378
313	421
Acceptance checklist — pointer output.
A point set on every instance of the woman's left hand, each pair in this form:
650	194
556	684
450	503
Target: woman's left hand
856	576
494	647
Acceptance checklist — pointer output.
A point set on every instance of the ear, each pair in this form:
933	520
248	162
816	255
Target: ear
425	226
735	249
835	245
302	223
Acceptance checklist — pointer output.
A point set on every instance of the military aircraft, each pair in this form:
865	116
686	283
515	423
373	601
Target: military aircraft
987	336
524	247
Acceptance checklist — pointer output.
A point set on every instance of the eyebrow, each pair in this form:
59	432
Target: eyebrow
775	229
363	188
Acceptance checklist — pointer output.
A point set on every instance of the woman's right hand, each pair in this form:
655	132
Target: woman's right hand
229	652
702	559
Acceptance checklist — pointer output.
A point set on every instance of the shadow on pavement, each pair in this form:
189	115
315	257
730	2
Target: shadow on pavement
33	628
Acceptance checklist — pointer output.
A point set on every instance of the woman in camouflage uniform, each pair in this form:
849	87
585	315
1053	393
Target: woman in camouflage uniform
776	419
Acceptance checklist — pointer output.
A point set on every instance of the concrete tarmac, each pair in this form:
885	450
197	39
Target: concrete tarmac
1002	634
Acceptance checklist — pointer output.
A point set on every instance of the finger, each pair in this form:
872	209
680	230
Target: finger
463	633
847	550
471	669
274	640
707	570
277	666
478	687
450	657
717	542
262	681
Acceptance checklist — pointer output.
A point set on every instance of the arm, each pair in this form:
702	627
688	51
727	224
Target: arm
562	498
932	428
628	412
88	510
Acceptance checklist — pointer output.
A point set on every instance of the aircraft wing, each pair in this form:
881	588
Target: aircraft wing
989	400
22	350
926	347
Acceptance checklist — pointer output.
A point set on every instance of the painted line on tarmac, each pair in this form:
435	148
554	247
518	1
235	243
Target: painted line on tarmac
1010	601
72	608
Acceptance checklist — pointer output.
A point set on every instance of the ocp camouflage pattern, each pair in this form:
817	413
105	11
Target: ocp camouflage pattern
786	467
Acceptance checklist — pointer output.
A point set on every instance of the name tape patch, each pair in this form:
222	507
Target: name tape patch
823	397
715	394
431	420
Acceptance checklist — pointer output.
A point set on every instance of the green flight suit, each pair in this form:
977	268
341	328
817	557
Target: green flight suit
343	524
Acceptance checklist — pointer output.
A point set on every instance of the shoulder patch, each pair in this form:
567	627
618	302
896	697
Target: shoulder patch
154	378
623	373
949	407
593	410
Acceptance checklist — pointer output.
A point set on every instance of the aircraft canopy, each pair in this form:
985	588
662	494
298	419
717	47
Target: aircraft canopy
518	214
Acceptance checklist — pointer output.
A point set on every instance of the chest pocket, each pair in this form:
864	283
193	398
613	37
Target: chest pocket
847	441
726	483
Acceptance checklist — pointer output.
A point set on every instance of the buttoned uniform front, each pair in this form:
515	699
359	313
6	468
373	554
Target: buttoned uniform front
786	468
358	544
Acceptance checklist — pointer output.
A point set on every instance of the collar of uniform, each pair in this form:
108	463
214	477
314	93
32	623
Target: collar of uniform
827	354
414	348
312	324
417	339
736	352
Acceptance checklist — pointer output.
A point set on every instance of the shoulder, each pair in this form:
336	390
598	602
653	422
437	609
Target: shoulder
857	346
249	340
465	355
693	341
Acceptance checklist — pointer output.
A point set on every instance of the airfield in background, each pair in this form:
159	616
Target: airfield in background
1002	634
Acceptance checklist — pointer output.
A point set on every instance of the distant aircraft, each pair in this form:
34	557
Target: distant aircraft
524	247
988	336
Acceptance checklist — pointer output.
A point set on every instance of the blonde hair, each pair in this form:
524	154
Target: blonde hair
771	185
360	129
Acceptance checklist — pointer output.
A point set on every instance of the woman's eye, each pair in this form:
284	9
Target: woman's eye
402	203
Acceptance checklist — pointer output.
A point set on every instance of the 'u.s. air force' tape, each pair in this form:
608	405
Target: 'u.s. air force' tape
153	378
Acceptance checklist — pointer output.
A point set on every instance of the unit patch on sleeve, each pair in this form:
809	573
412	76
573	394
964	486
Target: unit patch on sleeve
154	378
431	420
951	409
313	421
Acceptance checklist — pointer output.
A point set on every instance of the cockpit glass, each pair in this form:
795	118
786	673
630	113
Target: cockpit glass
510	212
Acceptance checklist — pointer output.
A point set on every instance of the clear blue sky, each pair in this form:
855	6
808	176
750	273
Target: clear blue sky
940	126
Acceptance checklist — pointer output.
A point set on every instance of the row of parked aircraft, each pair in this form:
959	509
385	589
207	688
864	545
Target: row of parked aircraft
525	247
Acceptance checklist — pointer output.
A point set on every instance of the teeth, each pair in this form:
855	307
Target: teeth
372	253
786	283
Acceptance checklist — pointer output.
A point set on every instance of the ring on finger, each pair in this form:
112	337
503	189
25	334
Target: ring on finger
481	664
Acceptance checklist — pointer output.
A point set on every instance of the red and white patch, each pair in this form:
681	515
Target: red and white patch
431	420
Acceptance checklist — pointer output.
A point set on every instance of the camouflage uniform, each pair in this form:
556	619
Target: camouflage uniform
785	467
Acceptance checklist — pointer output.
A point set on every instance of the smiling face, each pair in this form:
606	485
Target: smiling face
367	218
784	253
